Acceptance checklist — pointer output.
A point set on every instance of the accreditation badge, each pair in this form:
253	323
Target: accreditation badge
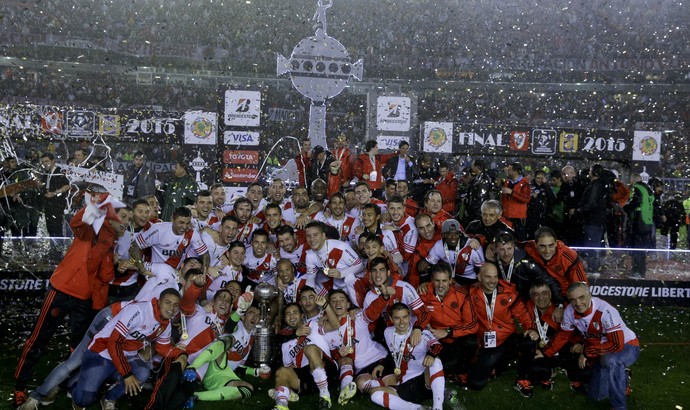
490	339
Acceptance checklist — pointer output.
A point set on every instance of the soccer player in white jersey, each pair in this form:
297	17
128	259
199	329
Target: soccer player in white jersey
201	328
219	197
306	359
418	373
344	223
403	292
255	194
290	284
371	218
231	268
349	333
125	286
289	247
168	242
608	342
243	213
206	215
113	352
260	263
464	255
334	263
404	228
363	197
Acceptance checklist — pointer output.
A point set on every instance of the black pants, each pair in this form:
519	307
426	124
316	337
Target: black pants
171	391
56	306
457	355
498	358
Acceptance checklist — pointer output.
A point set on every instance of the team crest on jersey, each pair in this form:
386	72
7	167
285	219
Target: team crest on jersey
331	262
465	257
264	265
346	229
185	242
504	302
596	326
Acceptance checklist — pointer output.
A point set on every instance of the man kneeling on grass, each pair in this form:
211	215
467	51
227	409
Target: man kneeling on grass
610	346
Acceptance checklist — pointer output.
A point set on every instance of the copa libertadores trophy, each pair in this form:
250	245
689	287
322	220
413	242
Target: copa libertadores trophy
319	69
263	333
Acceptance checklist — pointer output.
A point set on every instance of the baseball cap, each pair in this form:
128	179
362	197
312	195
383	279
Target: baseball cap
450	224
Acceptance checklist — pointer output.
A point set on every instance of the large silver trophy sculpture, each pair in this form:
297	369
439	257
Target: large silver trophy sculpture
262	352
320	69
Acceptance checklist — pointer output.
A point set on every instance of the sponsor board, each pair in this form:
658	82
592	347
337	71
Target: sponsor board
240	175
242	108
109	125
51	121
393	113
250	138
24	285
81	124
543	142
389	142
240	157
647	292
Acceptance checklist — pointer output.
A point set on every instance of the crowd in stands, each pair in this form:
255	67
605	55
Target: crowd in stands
415	34
413	274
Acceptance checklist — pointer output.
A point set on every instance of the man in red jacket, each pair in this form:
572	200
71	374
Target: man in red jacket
498	306
453	321
72	283
515	196
447	185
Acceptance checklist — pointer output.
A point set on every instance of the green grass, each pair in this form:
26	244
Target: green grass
661	377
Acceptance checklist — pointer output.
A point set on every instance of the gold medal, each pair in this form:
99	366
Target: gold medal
397	371
326	270
184	336
542	344
350	349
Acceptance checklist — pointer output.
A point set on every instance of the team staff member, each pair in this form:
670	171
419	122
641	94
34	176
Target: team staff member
71	287
515	196
561	262
609	343
498	306
452	320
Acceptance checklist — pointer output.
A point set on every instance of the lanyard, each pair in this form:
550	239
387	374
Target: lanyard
541	328
400	352
490	306
452	261
510	270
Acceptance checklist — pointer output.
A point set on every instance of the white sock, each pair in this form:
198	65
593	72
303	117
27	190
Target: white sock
391	401
438	383
282	395
346	375
321	381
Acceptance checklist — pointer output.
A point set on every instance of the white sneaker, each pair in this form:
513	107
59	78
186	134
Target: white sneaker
29	404
108	404
50	398
347	393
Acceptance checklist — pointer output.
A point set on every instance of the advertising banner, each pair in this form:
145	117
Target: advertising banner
393	113
81	124
506	140
438	137
242	108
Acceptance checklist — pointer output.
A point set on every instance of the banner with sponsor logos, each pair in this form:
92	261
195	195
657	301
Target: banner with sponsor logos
505	140
391	118
36	121
200	142
243	147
